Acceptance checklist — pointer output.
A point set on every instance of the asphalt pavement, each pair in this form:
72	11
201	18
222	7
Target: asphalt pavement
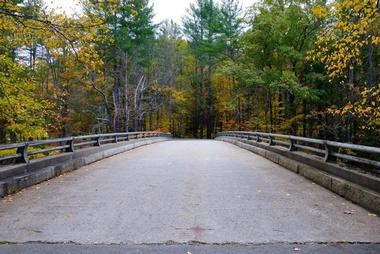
191	249
181	192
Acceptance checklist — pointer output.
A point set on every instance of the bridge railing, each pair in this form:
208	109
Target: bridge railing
22	152
329	150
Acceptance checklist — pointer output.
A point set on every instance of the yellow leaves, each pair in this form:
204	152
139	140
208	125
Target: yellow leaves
320	12
29	99
178	96
339	48
375	40
358	8
346	109
21	108
134	13
366	109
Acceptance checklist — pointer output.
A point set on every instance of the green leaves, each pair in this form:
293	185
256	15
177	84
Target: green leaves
289	82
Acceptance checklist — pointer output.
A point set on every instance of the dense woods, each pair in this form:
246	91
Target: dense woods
302	67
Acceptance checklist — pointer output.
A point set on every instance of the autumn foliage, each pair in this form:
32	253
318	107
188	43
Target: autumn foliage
300	67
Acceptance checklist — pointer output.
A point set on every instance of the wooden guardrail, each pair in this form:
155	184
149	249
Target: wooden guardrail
329	150
22	151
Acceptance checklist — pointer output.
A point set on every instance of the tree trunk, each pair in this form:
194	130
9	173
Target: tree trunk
209	104
126	93
150	120
196	112
238	112
105	99
2	132
116	99
269	98
371	71
351	80
304	110
137	101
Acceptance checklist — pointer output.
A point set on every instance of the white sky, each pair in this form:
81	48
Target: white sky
164	9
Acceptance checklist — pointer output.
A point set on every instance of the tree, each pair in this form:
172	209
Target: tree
274	61
23	111
348	51
203	29
130	29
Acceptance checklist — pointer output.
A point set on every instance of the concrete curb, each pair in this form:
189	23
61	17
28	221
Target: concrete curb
361	194
17	177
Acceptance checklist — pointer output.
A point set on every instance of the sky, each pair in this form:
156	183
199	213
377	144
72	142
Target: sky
164	9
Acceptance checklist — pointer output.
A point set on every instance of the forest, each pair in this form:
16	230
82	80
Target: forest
302	67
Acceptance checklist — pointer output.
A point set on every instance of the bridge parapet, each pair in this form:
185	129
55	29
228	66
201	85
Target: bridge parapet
63	155
24	150
329	150
317	161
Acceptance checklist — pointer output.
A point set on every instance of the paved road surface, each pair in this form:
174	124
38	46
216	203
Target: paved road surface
191	249
181	192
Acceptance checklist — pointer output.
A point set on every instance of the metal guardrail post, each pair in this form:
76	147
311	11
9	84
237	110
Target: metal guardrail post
23	150
71	148
97	141
328	150
328	153
292	148
258	138
271	143
66	145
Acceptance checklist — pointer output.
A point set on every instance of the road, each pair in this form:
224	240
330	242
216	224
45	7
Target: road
184	192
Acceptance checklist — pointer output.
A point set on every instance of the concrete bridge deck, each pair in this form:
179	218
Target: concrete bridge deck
182	192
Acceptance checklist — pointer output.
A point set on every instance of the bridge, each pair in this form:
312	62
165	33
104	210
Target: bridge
245	192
